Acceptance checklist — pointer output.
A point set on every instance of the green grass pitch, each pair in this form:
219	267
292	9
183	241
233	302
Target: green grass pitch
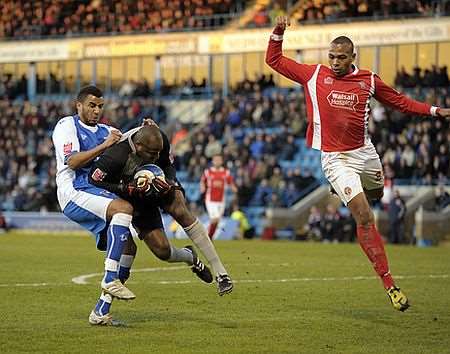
289	297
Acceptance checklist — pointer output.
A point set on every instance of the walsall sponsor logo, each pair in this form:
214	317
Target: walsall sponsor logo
344	100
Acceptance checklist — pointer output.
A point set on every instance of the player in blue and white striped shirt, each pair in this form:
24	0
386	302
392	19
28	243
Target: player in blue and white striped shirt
78	141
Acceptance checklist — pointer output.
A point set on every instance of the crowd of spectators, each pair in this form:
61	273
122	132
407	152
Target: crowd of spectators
330	225
434	77
27	163
141	88
414	148
40	18
305	11
27	177
25	19
267	15
442	198
334	10
12	87
256	128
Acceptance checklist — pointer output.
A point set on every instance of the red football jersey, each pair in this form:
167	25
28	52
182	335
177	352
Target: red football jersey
216	181
338	107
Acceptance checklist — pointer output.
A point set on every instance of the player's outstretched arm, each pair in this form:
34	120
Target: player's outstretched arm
399	101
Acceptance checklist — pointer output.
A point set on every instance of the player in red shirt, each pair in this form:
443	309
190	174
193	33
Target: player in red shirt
338	110
213	185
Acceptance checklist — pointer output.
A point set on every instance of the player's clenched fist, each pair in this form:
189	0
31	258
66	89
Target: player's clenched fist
113	137
281	23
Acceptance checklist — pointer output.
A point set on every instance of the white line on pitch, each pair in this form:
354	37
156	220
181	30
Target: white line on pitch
82	279
291	280
287	280
32	285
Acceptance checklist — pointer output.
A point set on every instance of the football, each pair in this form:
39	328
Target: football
145	175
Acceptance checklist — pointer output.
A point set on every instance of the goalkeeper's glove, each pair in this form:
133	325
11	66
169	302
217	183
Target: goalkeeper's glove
162	186
133	190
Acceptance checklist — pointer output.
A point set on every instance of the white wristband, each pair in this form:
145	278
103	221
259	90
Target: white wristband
276	37
433	111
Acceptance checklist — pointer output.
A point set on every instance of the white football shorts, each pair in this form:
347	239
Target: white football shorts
88	208
350	172
215	209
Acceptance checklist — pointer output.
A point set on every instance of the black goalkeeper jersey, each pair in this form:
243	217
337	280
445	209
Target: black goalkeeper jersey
113	167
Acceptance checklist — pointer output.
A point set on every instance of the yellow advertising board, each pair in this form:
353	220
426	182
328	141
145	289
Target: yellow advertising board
124	46
224	42
319	36
30	51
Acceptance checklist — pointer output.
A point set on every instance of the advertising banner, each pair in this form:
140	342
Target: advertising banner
27	51
225	42
319	36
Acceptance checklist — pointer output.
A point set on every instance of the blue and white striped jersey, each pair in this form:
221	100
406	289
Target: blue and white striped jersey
71	135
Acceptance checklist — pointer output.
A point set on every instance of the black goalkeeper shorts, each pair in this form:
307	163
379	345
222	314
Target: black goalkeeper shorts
147	217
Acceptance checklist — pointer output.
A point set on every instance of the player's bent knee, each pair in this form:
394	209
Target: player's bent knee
119	206
162	252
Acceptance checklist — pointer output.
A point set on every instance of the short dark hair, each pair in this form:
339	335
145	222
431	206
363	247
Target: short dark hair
89	90
148	133
343	40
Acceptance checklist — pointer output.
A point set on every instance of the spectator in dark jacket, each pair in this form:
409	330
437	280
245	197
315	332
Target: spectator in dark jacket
397	212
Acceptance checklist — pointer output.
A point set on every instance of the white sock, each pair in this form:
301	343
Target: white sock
126	260
180	255
125	263
199	236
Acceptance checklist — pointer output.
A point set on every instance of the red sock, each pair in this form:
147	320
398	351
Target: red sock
212	229
372	245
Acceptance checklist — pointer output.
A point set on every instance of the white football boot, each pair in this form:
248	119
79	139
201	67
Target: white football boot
116	289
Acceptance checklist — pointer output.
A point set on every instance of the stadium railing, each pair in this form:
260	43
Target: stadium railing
209	22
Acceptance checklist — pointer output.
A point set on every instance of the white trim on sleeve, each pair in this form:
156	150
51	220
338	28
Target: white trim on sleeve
433	111
317	127
276	37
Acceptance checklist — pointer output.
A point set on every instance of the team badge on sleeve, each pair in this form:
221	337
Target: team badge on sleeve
67	149
98	175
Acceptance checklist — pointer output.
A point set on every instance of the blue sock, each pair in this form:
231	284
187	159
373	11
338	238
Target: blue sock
124	274
126	261
117	235
110	276
103	304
